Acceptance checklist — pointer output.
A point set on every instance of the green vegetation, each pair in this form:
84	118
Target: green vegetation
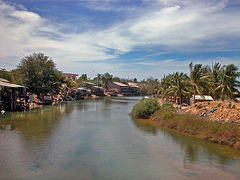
149	86
226	134
5	74
145	108
39	74
218	81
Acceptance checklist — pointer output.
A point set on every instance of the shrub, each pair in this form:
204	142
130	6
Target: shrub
167	114
145	108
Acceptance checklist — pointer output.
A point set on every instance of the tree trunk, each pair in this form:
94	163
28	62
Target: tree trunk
194	93
223	93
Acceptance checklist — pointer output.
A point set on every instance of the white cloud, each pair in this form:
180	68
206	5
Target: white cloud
170	25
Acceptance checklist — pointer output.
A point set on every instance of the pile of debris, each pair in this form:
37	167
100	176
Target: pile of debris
225	112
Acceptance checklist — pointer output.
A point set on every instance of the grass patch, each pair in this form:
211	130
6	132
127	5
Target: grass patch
226	134
145	108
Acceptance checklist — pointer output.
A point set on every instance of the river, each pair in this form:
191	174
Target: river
98	139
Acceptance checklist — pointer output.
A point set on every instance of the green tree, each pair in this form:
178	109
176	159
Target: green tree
17	76
179	86
135	80
83	77
40	74
116	79
228	83
106	79
149	86
197	75
5	74
175	85
212	80
163	86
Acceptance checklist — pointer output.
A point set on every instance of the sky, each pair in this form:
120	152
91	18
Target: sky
127	38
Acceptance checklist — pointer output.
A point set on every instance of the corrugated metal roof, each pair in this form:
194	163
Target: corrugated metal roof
120	84
203	97
133	84
3	80
9	84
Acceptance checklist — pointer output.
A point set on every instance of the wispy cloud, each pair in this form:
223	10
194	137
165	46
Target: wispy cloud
166	25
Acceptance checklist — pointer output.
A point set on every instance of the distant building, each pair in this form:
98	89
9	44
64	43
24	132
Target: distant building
124	88
70	76
96	90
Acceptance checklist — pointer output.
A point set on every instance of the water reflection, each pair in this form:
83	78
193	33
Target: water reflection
98	140
145	126
193	148
26	137
37	123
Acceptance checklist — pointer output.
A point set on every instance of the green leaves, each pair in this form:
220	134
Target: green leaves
145	108
220	81
40	74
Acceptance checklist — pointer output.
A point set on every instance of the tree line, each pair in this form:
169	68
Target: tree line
40	75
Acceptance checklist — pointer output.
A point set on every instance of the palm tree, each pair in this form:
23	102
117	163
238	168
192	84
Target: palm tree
164	85
227	76
179	86
176	85
213	80
197	74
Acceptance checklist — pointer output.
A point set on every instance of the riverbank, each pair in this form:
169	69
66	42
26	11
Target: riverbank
225	134
202	127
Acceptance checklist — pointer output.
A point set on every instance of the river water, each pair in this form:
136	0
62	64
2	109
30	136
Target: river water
99	140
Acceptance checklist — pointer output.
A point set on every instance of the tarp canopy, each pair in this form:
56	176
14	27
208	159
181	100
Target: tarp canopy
81	88
6	84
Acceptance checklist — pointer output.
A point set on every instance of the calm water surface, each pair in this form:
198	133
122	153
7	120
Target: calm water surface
99	140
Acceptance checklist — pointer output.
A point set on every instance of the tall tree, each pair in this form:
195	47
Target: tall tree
179	86
228	83
196	78
40	74
83	77
213	80
175	85
163	86
106	79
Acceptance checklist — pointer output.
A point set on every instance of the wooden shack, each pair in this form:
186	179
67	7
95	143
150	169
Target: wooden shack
200	98
124	88
12	96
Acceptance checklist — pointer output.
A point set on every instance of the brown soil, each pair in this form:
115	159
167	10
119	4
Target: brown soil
227	112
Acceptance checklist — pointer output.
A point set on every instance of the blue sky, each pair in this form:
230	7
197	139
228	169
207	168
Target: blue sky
130	38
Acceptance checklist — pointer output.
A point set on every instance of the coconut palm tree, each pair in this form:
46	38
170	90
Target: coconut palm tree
179	86
176	85
163	87
197	75
227	76
212	80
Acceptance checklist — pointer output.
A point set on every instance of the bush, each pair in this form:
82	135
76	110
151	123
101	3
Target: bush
145	108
